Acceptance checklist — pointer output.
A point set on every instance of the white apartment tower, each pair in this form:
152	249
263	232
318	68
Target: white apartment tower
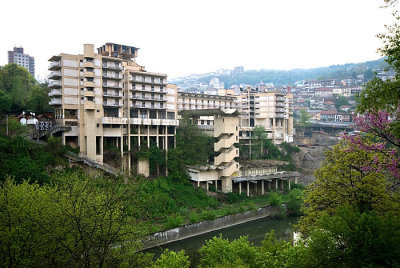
110	101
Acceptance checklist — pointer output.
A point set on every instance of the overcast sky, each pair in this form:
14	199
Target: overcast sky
182	37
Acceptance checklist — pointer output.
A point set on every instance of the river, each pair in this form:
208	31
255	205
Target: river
255	230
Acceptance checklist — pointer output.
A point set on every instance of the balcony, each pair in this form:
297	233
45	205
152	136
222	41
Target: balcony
89	93
88	64
55	84
55	92
135	121
280	104
112	67
139	97
112	85
89	105
112	104
169	122
114	120
55	65
226	156
88	74
111	94
54	75
112	76
225	143
88	84
55	101
147	81
148	106
280	98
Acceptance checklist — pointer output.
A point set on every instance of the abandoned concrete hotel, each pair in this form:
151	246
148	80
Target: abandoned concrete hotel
108	100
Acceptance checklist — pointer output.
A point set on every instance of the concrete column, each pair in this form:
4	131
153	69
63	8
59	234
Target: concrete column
240	187
226	186
198	184
276	184
248	189
282	182
262	187
295	180
289	183
207	186
216	185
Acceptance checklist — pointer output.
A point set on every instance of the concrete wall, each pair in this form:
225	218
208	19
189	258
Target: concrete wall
195	229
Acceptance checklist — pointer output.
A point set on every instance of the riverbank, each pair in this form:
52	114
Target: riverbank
191	230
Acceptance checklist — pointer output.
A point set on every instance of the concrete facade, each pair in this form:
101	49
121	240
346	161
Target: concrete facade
226	132
111	101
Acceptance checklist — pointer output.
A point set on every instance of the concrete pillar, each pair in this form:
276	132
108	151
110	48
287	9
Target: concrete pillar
295	180
216	185
226	186
207	186
276	184
240	187
282	182
198	184
262	187
248	189
289	183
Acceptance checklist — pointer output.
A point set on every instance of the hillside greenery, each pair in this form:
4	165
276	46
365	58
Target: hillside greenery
19	91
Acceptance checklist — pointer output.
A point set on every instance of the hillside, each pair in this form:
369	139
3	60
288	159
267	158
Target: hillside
283	77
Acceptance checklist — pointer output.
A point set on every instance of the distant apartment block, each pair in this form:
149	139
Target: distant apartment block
110	101
272	110
17	56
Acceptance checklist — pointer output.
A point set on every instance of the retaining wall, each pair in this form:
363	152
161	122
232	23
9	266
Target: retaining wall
199	228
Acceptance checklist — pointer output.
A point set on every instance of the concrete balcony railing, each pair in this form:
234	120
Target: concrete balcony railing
113	67
88	74
89	105
55	92
225	143
231	169
112	104
112	76
54	75
89	94
169	122
114	120
88	84
226	156
54	84
88	64
112	85
55	101
110	94
55	65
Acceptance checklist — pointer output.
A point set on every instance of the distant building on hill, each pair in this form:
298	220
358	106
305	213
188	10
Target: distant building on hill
17	56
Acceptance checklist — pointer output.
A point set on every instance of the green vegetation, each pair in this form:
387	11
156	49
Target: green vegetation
20	91
304	119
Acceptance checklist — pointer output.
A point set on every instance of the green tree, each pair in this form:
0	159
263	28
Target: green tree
38	99
304	118
346	178
172	259
295	202
219	252
340	101
15	84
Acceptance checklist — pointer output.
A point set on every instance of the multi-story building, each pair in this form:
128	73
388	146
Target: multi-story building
272	110
17	56
197	101
109	100
225	130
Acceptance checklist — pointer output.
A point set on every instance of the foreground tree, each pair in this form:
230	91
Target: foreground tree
83	222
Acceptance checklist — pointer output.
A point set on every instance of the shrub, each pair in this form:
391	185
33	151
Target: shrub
194	217
274	199
174	221
208	215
